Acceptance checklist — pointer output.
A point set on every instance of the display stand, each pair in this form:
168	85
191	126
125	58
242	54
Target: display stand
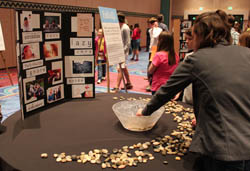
56	58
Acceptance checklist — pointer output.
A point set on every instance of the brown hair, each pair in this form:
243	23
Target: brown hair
211	29
244	39
166	43
152	20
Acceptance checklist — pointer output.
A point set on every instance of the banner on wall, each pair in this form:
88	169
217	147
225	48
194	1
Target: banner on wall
112	33
2	46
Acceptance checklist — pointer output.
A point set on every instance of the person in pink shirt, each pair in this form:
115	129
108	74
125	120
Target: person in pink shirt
164	62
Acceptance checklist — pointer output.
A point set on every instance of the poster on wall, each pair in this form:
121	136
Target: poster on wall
112	33
2	46
79	66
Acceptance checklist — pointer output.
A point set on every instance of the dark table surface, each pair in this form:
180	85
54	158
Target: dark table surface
79	126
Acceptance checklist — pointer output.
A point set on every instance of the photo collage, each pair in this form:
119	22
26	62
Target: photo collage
51	70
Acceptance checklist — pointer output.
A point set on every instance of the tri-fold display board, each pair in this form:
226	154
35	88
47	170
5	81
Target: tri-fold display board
55	53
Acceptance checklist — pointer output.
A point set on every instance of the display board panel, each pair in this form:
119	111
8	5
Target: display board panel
55	62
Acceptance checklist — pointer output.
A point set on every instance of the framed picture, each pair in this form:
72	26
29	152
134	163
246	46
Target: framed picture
33	89
30	51
55	93
52	22
52	50
186	24
79	66
81	91
55	74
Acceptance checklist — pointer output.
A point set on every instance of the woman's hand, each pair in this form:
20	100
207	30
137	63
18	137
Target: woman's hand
139	112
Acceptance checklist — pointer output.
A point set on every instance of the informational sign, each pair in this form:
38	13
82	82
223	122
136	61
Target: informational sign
2	46
112	34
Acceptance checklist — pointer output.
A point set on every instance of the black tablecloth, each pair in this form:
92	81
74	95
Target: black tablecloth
74	127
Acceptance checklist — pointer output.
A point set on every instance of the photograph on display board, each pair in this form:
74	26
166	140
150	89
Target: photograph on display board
52	22
84	25
29	21
56	73
33	89
55	93
183	46
52	50
30	52
79	66
186	24
81	91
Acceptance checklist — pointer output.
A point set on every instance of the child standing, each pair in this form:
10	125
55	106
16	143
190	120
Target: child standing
100	56
164	62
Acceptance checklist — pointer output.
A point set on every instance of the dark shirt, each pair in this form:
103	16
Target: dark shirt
221	94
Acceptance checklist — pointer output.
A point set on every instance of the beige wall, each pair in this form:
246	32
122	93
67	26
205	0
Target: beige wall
180	6
140	6
8	27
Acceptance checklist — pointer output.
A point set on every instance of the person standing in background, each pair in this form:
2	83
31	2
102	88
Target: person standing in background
147	37
163	26
154	33
125	33
235	35
244	39
136	39
165	61
100	58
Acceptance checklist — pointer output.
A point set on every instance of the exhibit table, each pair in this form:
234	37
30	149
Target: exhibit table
79	126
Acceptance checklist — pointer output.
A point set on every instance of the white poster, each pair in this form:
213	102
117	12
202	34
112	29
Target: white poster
36	71
2	46
80	43
73	24
56	73
35	105
112	35
18	50
79	66
75	81
84	25
81	91
30	52
55	93
30	37
33	89
49	36
52	50
33	64
83	52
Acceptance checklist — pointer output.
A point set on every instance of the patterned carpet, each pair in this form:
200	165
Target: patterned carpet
9	95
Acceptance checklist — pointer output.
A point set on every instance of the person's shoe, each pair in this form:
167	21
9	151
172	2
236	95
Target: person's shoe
131	59
99	81
136	59
115	90
103	78
128	86
148	88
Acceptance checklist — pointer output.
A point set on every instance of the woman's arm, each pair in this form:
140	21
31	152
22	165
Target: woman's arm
151	68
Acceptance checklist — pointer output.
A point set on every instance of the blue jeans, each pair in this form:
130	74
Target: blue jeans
205	163
101	69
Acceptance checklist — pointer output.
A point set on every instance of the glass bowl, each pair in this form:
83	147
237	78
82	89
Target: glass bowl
126	113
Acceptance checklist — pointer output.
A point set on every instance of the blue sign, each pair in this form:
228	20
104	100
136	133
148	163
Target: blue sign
108	15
